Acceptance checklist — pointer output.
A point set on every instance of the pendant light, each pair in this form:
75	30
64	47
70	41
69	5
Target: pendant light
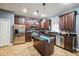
36	12
43	14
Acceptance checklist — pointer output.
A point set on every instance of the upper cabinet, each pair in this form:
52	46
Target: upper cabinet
33	24
47	24
67	22
71	21
19	20
16	20
38	25
61	23
27	24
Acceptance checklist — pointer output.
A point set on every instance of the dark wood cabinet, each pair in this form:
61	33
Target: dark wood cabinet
43	47
67	22
31	23
61	23
68	43
46	24
38	26
27	25
28	37
70	22
19	20
22	21
16	20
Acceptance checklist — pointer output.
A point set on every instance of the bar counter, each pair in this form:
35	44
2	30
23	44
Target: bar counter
44	44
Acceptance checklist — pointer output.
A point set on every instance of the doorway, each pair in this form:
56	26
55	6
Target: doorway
4	32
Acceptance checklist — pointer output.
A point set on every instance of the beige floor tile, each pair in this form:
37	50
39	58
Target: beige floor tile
27	49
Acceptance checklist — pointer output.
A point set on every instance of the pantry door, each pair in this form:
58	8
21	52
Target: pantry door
4	32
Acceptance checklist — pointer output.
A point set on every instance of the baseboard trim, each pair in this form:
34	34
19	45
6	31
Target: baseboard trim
11	44
77	49
7	45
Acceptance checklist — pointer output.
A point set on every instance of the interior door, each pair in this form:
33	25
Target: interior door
4	32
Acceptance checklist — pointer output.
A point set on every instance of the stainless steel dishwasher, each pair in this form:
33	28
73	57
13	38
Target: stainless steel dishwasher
60	41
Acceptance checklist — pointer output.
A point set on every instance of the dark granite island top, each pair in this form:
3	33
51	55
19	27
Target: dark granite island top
44	44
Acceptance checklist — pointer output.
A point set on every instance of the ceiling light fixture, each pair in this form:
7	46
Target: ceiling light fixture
43	14
36	12
66	3
24	10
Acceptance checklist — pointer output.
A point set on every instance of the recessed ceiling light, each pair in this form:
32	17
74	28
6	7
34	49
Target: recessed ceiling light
43	15
24	10
35	13
66	3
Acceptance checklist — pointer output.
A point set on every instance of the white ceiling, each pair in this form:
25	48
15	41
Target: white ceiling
51	9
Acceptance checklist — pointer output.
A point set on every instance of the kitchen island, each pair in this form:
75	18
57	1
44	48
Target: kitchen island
44	44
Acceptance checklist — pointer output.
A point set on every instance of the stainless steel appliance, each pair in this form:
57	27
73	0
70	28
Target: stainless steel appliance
60	41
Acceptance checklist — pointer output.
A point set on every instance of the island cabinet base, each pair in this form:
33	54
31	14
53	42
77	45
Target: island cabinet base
43	47
28	37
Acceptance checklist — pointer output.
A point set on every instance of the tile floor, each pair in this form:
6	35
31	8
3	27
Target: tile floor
27	49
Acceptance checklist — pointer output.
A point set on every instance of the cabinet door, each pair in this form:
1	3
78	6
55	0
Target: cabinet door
28	37
16	20
61	23
38	25
65	22
46	24
27	25
68	43
70	21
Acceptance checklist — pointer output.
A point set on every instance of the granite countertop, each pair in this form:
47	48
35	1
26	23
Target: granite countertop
60	34
51	34
39	38
69	35
43	38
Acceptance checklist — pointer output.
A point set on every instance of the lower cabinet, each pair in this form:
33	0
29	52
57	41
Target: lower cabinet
66	42
27	37
43	47
70	43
